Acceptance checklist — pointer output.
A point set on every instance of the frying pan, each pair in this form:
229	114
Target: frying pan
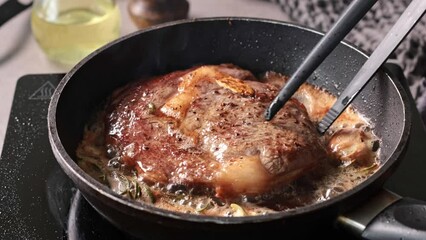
255	44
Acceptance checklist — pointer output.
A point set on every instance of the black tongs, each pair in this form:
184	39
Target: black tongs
350	17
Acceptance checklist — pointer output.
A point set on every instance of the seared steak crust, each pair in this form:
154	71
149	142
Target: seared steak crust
204	128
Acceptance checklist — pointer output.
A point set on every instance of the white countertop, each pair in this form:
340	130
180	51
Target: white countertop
20	54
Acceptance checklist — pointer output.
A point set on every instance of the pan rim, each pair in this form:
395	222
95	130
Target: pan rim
72	168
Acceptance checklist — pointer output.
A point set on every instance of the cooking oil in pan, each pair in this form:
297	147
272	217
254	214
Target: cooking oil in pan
68	30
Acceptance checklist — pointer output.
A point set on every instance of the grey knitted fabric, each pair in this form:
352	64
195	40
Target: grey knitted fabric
367	34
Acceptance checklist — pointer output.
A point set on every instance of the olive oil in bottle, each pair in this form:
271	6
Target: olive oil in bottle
69	30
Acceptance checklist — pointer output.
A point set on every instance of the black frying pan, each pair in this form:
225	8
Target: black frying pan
254	44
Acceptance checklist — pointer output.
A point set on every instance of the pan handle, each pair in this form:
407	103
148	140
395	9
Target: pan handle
11	8
397	218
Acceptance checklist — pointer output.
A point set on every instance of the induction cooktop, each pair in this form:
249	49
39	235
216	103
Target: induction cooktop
38	201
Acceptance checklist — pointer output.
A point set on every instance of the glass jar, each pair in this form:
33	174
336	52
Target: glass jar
69	30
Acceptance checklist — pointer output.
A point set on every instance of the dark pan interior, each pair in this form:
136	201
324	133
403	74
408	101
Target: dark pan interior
257	45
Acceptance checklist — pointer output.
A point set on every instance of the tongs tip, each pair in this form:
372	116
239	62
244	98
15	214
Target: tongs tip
273	108
322	49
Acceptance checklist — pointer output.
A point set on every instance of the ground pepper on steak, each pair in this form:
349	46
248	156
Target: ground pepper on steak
204	128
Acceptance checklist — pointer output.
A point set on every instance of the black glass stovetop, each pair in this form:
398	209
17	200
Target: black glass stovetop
38	201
